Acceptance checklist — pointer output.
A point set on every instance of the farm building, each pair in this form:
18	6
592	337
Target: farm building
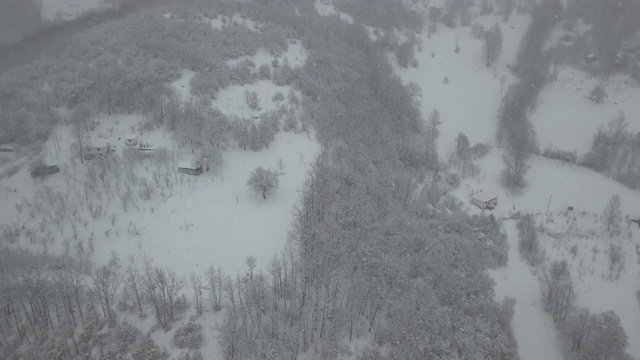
187	167
131	140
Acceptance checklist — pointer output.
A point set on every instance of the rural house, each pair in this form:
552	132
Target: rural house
131	140
97	148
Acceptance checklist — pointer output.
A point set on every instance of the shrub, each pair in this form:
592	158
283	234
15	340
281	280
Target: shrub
188	337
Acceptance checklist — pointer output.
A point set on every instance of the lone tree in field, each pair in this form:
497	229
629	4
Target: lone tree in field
492	44
263	181
613	212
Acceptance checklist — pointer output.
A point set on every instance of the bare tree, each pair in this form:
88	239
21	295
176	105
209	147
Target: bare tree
196	284
106	281
80	139
558	291
613	213
134	283
214	285
263	181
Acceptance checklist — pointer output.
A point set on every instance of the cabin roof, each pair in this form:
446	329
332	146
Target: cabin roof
131	137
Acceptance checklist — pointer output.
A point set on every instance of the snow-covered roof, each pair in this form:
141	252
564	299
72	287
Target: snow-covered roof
131	137
186	164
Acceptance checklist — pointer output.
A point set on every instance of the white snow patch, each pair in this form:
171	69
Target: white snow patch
325	7
566	119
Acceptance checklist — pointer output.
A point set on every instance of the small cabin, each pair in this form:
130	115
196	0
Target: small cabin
590	58
489	204
189	169
131	140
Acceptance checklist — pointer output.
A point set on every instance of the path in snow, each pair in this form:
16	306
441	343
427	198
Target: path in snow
533	328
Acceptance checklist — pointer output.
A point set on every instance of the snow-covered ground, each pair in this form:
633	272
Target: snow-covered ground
566	119
182	85
533	328
68	9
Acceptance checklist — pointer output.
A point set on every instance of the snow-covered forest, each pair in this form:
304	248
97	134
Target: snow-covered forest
319	179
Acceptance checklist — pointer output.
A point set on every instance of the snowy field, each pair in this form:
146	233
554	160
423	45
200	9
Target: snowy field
190	222
469	102
566	119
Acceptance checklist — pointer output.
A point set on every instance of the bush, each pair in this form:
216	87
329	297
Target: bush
597	94
253	100
561	155
278	97
188	337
